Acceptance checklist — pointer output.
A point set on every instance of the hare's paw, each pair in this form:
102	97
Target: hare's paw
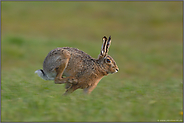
72	80
59	81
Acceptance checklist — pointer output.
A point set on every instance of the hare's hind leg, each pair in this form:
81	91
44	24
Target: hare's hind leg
59	70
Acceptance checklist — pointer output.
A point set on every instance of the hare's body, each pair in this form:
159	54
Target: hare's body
76	68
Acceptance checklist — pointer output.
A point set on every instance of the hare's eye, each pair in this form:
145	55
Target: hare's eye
108	60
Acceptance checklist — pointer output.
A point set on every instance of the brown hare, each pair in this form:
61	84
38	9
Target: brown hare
77	69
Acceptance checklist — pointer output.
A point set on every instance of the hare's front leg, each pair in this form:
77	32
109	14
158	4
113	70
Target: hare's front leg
89	89
71	89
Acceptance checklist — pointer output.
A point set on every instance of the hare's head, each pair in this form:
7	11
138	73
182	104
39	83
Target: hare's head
106	61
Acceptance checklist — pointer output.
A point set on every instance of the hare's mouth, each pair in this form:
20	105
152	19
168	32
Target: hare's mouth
114	71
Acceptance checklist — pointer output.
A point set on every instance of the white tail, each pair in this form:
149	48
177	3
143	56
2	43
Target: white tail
42	74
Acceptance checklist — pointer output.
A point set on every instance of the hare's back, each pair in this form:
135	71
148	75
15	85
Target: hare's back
56	57
78	63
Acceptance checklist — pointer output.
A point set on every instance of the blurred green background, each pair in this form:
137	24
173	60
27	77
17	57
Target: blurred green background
146	45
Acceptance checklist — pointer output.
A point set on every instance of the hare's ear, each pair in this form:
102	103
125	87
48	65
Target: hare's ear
108	44
103	48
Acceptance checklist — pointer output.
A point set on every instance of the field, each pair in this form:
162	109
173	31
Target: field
146	45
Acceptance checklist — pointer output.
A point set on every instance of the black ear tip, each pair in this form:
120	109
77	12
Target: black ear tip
109	38
105	37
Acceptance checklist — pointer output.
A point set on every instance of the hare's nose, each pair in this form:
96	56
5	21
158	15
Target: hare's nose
117	70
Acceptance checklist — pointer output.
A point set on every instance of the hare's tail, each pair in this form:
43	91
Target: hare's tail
42	74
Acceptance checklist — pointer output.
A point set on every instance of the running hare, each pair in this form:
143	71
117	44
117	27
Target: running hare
76	68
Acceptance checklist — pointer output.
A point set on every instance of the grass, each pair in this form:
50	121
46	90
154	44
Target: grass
146	45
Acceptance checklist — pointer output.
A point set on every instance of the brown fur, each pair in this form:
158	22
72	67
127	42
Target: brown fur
80	69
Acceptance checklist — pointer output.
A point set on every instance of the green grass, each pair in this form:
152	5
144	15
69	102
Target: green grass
146	45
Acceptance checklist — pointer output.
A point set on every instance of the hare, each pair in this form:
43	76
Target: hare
77	69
